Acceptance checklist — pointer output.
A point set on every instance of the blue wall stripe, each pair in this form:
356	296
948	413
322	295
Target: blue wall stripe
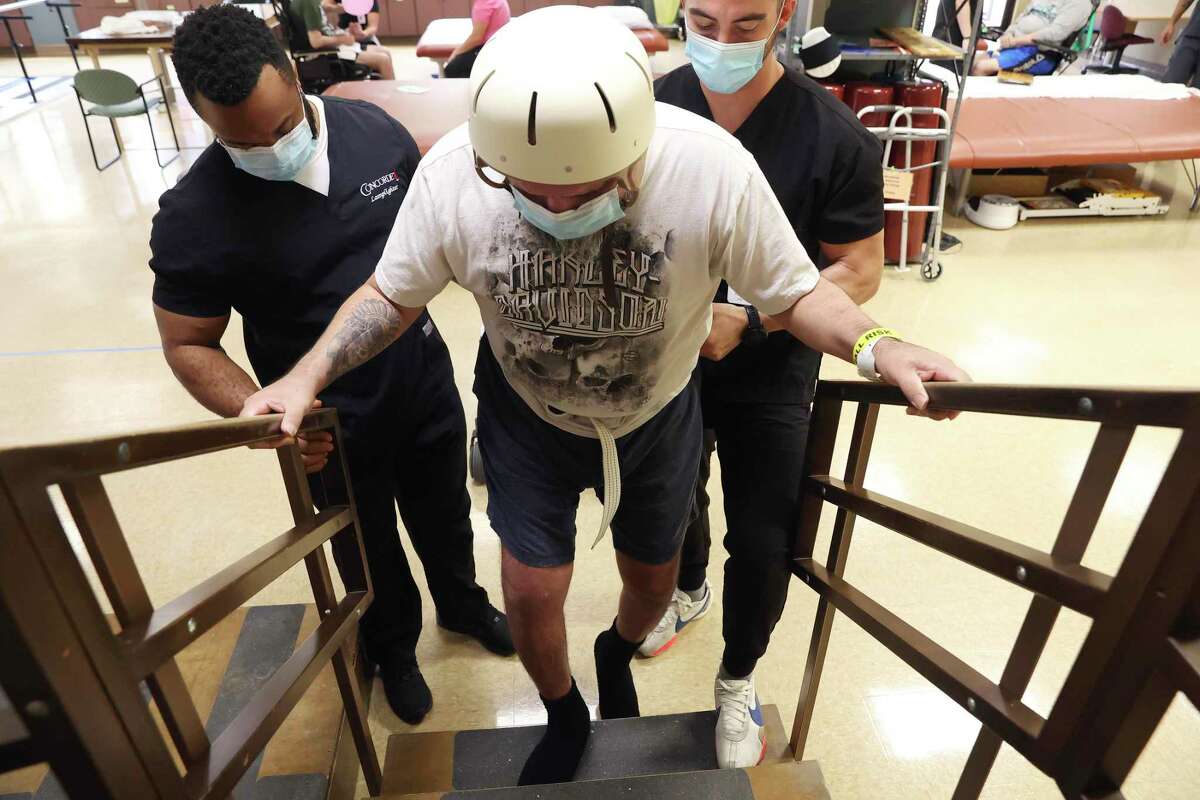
77	350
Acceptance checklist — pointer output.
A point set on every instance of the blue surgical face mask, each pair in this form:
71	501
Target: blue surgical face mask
595	214
283	160
722	67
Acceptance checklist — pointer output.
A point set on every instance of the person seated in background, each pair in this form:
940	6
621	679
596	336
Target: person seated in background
1045	22
487	17
364	31
310	16
1184	66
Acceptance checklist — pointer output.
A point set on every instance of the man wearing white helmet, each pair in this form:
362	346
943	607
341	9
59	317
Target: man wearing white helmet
593	228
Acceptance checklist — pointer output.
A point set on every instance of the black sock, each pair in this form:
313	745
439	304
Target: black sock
618	695
557	755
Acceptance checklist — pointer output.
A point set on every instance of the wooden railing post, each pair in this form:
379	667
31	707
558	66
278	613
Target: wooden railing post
839	546
300	498
1144	644
76	685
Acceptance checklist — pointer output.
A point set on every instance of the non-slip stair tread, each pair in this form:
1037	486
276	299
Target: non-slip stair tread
783	781
487	759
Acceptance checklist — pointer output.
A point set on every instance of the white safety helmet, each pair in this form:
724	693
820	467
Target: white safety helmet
561	95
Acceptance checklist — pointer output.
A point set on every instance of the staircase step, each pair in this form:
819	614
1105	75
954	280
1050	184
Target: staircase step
442	761
790	780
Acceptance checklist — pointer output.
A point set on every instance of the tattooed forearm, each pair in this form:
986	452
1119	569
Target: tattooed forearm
371	326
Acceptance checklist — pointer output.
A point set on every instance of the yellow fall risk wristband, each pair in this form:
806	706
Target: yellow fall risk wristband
870	336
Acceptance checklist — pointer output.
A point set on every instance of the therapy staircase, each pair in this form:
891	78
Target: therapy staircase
106	706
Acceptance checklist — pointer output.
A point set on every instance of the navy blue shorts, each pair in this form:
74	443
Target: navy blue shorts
535	473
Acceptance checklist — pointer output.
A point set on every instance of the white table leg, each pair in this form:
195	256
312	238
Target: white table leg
158	61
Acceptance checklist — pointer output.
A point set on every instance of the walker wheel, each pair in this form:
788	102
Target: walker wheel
931	270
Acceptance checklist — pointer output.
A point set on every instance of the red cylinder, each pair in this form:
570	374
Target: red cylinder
860	94
914	94
838	90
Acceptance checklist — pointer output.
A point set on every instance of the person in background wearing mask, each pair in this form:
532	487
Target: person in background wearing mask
757	380
282	218
309	15
592	225
1184	66
487	17
364	31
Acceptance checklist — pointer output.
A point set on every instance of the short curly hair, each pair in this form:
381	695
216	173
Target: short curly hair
220	52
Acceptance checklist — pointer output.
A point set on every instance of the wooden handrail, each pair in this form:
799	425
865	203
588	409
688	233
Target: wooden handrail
1071	585
1133	661
63	642
189	616
1171	408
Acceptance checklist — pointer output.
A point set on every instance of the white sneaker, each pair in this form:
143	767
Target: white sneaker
682	611
741	733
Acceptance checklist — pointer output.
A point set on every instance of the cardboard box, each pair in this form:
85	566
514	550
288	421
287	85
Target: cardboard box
1125	173
1022	182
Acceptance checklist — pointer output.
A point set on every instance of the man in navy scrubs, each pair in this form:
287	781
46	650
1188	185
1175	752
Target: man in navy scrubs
757	382
282	218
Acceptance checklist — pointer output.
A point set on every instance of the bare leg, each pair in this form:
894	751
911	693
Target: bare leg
985	66
645	592
379	60
533	599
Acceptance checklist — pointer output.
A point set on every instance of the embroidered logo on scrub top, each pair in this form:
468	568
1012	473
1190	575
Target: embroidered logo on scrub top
369	189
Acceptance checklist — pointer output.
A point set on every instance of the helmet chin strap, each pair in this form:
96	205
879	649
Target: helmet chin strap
480	165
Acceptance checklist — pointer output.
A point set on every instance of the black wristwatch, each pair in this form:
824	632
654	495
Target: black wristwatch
755	333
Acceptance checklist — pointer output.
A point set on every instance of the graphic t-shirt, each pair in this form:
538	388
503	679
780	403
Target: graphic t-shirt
608	326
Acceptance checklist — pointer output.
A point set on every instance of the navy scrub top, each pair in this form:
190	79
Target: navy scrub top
285	257
826	171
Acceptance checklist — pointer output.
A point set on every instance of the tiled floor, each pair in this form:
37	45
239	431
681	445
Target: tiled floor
1051	302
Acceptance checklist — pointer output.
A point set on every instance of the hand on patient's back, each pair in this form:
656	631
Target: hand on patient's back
729	322
907	366
289	396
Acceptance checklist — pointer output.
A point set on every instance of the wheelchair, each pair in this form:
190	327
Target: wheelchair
317	70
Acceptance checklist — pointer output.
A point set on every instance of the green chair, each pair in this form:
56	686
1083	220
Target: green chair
113	94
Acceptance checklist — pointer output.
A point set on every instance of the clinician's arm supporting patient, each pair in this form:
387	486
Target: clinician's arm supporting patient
856	267
192	346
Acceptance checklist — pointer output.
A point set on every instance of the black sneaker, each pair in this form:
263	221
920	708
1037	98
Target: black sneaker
490	630
406	690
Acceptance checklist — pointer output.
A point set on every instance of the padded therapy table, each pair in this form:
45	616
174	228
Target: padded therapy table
1074	131
441	36
992	132
427	115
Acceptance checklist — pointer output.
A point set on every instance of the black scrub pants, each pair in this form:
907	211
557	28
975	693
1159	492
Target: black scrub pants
1184	66
423	471
460	65
761	447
